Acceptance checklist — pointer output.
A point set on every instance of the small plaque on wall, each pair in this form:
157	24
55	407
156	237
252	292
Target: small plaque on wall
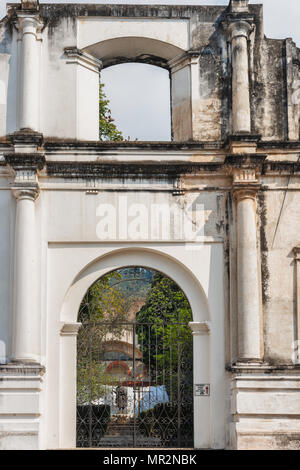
202	390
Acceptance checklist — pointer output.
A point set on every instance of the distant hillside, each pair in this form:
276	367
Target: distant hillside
135	283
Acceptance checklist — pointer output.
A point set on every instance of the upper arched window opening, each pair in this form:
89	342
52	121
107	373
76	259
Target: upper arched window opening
139	101
149	85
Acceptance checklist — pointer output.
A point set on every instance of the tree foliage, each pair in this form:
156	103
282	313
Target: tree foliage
164	335
107	129
103	305
104	300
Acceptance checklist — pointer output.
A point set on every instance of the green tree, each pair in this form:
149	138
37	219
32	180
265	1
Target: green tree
104	300
107	129
165	337
101	312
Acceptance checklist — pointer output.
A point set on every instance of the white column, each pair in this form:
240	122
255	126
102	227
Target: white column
25	341
297	261
250	347
67	428
29	80
241	115
201	359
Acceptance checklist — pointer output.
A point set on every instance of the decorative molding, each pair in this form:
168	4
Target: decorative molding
77	56
116	169
28	20
30	193
26	370
183	60
70	329
26	136
240	193
246	161
245	170
200	328
267	371
25	166
239	6
244	175
239	28
25	161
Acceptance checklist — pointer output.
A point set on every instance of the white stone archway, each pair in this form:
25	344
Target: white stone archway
151	259
203	367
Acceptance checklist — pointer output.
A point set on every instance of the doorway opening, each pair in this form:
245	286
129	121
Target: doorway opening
135	362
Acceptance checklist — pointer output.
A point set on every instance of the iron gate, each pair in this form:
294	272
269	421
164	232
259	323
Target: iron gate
134	385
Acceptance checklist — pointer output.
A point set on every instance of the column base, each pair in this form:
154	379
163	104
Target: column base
20	396
265	408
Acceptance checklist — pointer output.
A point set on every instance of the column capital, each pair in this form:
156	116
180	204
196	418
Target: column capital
29	22
200	328
239	27
30	192
240	193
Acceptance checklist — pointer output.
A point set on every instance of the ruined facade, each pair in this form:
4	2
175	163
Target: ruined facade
74	208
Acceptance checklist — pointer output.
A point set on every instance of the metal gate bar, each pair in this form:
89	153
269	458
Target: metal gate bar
135	385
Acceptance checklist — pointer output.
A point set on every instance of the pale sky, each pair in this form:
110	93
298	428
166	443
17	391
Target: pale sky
142	110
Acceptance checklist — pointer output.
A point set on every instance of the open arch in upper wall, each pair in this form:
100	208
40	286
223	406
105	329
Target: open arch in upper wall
183	67
134	49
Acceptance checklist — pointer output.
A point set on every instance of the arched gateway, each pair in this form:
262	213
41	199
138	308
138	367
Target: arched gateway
135	363
104	336
216	210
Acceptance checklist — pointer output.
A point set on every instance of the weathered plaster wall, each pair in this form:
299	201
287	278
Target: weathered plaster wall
66	107
94	213
280	234
59	81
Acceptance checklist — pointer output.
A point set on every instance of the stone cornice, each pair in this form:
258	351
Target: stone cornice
25	161
263	368
112	170
243	137
246	162
25	137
